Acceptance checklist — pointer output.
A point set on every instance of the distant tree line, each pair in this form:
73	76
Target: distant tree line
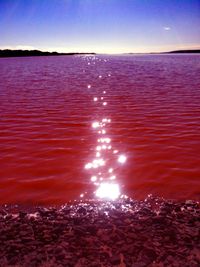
31	53
185	51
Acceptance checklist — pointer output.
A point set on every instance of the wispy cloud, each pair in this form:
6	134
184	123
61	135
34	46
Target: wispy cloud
167	28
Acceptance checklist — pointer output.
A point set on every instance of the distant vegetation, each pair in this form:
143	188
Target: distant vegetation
191	51
31	53
185	51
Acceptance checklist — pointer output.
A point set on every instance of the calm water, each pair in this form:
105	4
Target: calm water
73	127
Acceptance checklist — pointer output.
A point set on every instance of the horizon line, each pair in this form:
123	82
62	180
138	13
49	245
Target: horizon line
92	52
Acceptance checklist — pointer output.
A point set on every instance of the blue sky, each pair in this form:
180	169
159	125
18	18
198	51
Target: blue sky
105	26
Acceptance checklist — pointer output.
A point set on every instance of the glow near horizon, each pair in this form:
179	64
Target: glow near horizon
100	26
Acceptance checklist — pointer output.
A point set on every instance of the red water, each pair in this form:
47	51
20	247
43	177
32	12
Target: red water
48	147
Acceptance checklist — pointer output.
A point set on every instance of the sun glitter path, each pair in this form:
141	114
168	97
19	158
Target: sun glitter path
106	159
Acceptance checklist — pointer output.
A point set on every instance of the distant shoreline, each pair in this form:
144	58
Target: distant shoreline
32	53
191	51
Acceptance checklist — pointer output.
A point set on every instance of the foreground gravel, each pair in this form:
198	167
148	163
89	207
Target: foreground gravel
153	232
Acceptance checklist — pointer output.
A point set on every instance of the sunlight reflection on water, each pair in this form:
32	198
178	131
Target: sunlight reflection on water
108	190
105	181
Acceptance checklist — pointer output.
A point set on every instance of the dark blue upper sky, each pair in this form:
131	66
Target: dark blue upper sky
100	25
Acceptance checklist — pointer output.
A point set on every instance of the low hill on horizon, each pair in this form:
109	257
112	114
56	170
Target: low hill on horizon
31	53
185	51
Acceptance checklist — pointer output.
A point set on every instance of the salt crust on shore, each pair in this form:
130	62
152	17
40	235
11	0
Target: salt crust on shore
153	232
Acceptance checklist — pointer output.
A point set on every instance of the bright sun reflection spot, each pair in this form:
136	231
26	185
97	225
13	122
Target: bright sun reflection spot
95	98
110	170
104	140
95	124
106	120
88	166
124	196
104	103
98	154
81	195
93	178
96	163
104	92
108	190
100	76
122	159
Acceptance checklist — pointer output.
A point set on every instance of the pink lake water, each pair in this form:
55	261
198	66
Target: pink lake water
76	127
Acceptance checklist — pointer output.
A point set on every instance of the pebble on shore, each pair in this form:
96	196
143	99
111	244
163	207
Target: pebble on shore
125	233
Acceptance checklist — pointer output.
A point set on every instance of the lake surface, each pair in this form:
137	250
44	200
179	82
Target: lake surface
75	127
